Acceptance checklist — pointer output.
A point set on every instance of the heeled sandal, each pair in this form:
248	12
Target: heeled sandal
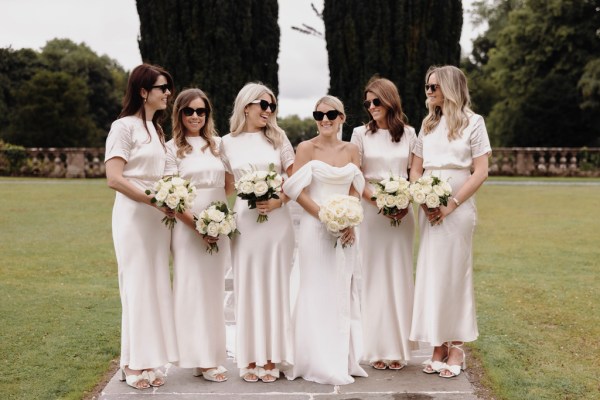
380	365
245	374
154	375
396	365
212	373
454	370
133	380
272	373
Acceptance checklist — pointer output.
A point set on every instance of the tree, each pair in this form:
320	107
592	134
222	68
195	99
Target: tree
396	39
298	130
539	59
217	46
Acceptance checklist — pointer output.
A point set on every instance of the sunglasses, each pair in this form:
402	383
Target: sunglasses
164	87
264	104
189	111
376	103
331	115
433	87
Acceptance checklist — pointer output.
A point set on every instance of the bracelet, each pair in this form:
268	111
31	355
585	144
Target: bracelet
455	200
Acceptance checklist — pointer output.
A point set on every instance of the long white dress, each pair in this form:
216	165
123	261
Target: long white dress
199	277
386	252
326	318
142	249
444	308
261	258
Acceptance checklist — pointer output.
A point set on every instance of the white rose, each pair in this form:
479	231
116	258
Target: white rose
403	184
384	182
172	201
447	188
392	186
402	201
167	186
157	186
380	202
177	181
419	197
333	226
261	188
162	195
201	226
246	178
438	190
215	215
231	222
181	192
246	187
276	181
224	228
390	201
212	229
432	200
426	189
262	175
426	180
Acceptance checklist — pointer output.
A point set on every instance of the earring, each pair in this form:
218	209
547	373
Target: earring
245	114
145	100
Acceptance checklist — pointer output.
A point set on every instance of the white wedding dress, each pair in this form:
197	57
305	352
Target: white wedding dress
326	318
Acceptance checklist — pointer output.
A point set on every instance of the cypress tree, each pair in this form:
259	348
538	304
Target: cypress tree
395	39
216	46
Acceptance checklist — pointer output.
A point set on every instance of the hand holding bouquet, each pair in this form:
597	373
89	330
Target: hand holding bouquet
175	193
339	213
259	186
392	195
216	219
431	191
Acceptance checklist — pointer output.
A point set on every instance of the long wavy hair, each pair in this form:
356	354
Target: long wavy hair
208	131
143	77
387	92
237	122
457	102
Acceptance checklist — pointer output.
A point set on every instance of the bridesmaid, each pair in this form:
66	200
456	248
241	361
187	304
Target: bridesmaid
135	159
385	144
262	254
452	142
198	277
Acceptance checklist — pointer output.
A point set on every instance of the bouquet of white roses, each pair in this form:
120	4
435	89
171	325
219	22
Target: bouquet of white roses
175	193
431	191
216	219
392	195
259	186
340	212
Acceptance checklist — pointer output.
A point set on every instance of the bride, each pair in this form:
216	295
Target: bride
326	319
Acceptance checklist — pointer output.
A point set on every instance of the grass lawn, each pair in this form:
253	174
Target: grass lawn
536	263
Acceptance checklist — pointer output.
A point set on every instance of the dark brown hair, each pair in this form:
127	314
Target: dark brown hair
387	93
143	77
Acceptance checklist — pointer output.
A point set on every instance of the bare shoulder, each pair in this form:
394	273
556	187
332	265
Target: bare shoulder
351	148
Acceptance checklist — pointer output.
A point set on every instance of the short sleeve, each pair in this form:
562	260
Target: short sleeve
293	186
223	156
412	141
417	149
287	153
357	139
119	141
359	181
479	140
171	163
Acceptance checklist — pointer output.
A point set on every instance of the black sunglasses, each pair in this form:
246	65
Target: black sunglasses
265	104
376	103
189	111
164	87
331	115
433	87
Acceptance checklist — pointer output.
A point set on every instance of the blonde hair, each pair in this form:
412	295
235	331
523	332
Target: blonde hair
334	102
387	92
237	123
457	102
208	131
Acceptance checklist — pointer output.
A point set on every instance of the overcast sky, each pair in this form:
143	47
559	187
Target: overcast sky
111	27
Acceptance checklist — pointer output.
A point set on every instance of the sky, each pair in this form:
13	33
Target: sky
111	27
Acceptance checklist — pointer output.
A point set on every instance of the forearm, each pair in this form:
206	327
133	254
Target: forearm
122	185
308	204
471	186
187	218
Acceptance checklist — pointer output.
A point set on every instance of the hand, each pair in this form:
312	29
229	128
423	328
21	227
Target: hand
266	206
397	215
209	239
347	238
434	215
166	210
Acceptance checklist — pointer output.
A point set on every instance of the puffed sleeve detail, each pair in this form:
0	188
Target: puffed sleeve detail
287	152
223	155
357	138
418	146
359	181
479	140
294	185
171	162
119	141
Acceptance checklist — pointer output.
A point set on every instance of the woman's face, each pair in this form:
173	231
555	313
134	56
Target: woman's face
194	122
434	91
156	98
327	127
378	113
256	117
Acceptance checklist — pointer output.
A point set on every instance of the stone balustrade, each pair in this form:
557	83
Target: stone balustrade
88	162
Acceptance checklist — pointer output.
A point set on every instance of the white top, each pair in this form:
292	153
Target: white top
202	168
438	152
380	156
145	156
